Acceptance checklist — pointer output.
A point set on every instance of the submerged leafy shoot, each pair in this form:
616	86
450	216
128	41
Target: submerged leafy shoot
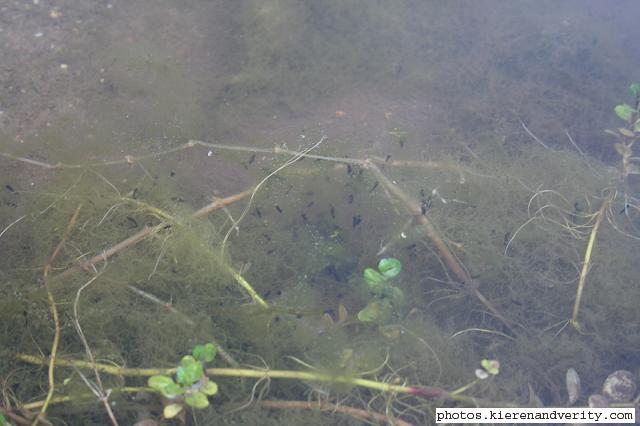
387	295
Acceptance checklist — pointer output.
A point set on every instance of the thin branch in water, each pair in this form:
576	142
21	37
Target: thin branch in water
97	389
534	137
457	268
63	195
114	207
253	394
584	157
169	307
10	225
155	267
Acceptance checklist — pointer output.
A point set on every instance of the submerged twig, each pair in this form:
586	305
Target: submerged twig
430	231
148	231
167	305
105	255
534	137
582	154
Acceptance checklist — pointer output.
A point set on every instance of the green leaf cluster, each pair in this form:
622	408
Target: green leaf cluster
627	112
191	386
387	268
386	295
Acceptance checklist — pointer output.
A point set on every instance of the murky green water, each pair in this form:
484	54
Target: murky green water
99	213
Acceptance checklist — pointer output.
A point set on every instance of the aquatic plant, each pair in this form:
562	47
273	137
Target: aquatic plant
387	296
629	113
629	165
192	387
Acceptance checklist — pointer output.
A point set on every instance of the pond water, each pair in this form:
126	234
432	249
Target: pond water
177	173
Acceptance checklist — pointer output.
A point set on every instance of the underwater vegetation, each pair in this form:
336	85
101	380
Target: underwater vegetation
503	278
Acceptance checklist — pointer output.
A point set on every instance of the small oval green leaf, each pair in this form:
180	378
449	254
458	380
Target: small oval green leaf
624	111
205	353
197	400
159	382
172	391
389	267
370	313
171	410
211	388
634	89
377	311
397	296
166	386
210	351
198	352
626	132
373	278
